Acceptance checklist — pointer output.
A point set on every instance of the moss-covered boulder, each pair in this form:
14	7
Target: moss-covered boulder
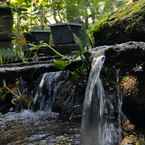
126	24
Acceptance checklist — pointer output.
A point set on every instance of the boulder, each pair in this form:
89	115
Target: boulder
126	24
124	68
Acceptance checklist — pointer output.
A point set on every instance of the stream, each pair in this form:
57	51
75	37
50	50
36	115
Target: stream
39	128
42	127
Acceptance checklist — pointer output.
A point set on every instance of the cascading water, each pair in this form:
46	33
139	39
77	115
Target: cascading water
47	89
41	127
99	125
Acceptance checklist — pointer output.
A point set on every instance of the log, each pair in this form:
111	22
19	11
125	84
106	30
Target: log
34	69
126	24
23	67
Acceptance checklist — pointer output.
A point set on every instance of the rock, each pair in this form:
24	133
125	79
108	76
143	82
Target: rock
125	54
128	126
39	128
126	24
129	140
69	99
133	139
49	94
125	62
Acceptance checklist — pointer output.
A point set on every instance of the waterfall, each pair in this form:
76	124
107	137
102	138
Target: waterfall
47	89
99	124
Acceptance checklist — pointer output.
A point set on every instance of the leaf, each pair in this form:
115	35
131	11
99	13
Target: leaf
61	64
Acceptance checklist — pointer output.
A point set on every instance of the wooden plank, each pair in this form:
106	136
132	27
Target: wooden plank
30	71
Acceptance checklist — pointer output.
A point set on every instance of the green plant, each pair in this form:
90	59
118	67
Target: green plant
7	55
78	64
42	12
37	47
39	12
18	95
28	14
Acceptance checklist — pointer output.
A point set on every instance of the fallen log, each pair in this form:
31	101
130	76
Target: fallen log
26	70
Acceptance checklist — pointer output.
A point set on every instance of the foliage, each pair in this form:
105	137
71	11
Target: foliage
19	96
44	12
119	23
8	55
61	64
28	14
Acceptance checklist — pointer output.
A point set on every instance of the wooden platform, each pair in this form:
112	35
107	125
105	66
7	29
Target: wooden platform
28	70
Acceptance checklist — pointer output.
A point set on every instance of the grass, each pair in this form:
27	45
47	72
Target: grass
7	55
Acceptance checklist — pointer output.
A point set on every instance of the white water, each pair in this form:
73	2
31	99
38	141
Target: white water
47	89
98	125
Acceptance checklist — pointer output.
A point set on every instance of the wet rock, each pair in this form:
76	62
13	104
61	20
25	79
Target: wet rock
70	98
127	54
128	126
60	92
129	140
39	128
133	139
125	62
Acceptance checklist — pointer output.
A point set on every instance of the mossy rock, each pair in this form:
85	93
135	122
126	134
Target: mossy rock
126	24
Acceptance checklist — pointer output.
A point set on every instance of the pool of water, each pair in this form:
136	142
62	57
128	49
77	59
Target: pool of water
39	128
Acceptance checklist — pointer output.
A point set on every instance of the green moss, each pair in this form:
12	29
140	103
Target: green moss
127	11
100	23
129	18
